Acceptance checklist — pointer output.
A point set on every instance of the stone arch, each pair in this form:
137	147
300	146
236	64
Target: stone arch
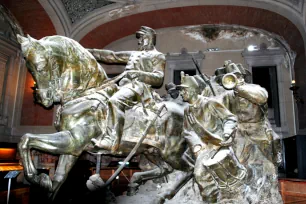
195	15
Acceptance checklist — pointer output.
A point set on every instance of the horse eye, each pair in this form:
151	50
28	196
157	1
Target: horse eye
43	72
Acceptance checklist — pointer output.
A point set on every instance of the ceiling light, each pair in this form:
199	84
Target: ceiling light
251	48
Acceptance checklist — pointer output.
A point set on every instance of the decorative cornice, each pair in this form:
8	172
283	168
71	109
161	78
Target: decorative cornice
185	55
12	26
297	5
272	56
107	13
263	52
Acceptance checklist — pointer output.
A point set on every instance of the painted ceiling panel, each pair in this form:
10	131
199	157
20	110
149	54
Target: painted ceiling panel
77	9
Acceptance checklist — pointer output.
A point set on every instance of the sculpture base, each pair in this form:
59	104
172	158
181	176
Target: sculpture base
150	192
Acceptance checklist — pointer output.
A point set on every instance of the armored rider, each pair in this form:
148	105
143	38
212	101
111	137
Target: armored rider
209	128
144	69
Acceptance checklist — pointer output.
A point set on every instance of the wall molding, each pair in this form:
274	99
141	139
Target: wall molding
275	57
77	30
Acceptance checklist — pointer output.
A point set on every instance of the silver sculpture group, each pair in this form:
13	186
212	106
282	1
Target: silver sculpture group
220	135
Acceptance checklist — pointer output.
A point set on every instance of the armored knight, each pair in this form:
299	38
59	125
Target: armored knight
144	69
209	128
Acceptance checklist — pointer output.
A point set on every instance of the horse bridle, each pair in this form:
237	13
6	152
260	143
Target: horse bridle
50	91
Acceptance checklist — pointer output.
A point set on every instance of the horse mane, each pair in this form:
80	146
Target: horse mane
67	48
70	53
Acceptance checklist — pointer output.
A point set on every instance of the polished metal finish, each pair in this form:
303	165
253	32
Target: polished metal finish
68	74
229	81
144	69
225	142
209	129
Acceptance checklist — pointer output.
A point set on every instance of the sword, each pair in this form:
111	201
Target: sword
144	134
8	191
98	164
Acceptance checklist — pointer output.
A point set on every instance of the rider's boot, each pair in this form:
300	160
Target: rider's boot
115	121
110	141
105	143
116	135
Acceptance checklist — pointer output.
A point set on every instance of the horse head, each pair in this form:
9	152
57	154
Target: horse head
61	68
38	64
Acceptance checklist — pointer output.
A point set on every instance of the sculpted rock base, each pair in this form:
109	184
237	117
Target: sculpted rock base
262	190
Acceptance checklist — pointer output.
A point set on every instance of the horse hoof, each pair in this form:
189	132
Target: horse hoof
45	182
132	189
94	182
158	200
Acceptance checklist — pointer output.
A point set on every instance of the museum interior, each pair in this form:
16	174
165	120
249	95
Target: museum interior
267	37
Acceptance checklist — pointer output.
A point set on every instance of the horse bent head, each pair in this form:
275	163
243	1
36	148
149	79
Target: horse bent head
61	67
39	66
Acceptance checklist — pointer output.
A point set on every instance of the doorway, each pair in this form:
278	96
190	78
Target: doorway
266	77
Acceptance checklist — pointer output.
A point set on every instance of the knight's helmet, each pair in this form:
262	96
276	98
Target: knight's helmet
148	32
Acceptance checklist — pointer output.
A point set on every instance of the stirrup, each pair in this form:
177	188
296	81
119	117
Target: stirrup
105	143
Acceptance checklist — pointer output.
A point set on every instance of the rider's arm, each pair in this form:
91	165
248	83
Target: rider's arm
156	77
252	92
229	120
108	56
191	123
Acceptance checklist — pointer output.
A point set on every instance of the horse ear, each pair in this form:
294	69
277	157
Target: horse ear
21	39
30	38
35	43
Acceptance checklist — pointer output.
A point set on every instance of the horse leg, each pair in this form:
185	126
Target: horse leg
162	169
65	163
25	155
171	192
69	144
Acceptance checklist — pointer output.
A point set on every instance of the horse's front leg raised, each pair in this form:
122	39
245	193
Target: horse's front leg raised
57	143
68	144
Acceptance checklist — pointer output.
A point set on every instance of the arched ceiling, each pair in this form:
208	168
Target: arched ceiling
196	15
97	23
104	21
76	18
81	20
31	16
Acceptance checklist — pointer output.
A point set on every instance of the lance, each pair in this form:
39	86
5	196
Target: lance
207	81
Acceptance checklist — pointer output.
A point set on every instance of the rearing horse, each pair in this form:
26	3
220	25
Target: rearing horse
63	70
67	73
